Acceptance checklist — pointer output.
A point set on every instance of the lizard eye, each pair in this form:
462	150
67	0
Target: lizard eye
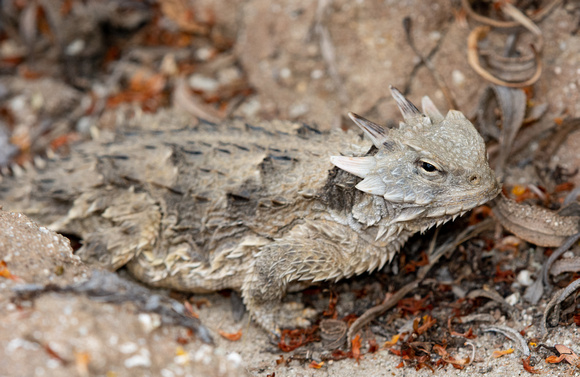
428	167
429	170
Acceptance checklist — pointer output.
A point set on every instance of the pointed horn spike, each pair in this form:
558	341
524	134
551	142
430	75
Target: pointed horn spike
455	114
372	185
430	109
406	107
359	166
382	230
376	132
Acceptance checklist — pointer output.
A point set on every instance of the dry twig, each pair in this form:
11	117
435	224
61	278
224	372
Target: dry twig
555	302
429	65
536	17
494	296
478	34
555	255
512	334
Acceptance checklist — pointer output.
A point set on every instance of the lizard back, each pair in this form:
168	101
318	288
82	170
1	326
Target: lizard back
190	193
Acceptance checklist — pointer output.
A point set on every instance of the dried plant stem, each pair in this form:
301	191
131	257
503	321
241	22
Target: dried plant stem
512	334
538	16
477	35
555	302
555	255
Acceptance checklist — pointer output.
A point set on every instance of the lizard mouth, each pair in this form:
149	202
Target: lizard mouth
460	207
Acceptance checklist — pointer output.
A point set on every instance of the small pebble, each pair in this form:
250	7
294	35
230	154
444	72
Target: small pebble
203	83
513	298
525	278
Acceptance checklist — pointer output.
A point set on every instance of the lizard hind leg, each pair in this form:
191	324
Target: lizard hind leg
308	253
262	292
114	224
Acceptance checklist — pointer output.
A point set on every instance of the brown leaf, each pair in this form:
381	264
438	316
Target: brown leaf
428	322
201	303
468	334
82	360
555	359
392	342
5	272
292	339
413	305
189	309
497	354
412	265
568	354
373	346
332	301
528	367
440	349
313	364
356	343
234	337
183	15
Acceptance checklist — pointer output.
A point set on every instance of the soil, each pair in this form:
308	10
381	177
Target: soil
287	59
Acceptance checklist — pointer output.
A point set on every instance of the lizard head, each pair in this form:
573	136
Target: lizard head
432	167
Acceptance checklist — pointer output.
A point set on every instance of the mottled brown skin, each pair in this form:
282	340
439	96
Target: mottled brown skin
258	208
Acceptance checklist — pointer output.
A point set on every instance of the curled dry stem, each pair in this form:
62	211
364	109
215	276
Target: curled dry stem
376	311
494	296
555	255
536	17
478	34
512	334
555	302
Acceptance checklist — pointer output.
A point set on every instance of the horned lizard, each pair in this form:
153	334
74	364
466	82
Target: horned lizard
259	208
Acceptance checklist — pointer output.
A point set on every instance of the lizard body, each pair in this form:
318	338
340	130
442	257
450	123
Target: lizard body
259	209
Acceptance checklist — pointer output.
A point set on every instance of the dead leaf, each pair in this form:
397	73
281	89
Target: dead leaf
332	301
497	354
555	359
392	342
313	364
189	310
82	360
183	15
356	343
5	272
428	322
373	346
234	337
568	354
292	339
528	367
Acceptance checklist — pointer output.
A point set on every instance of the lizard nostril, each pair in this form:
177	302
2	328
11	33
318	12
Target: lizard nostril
474	179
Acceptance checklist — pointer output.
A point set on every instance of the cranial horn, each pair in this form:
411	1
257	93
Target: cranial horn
378	134
430	109
407	108
359	166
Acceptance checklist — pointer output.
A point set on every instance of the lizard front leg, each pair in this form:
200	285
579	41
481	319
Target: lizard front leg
310	252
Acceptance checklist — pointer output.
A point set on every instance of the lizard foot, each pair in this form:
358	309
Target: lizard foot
287	315
294	314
